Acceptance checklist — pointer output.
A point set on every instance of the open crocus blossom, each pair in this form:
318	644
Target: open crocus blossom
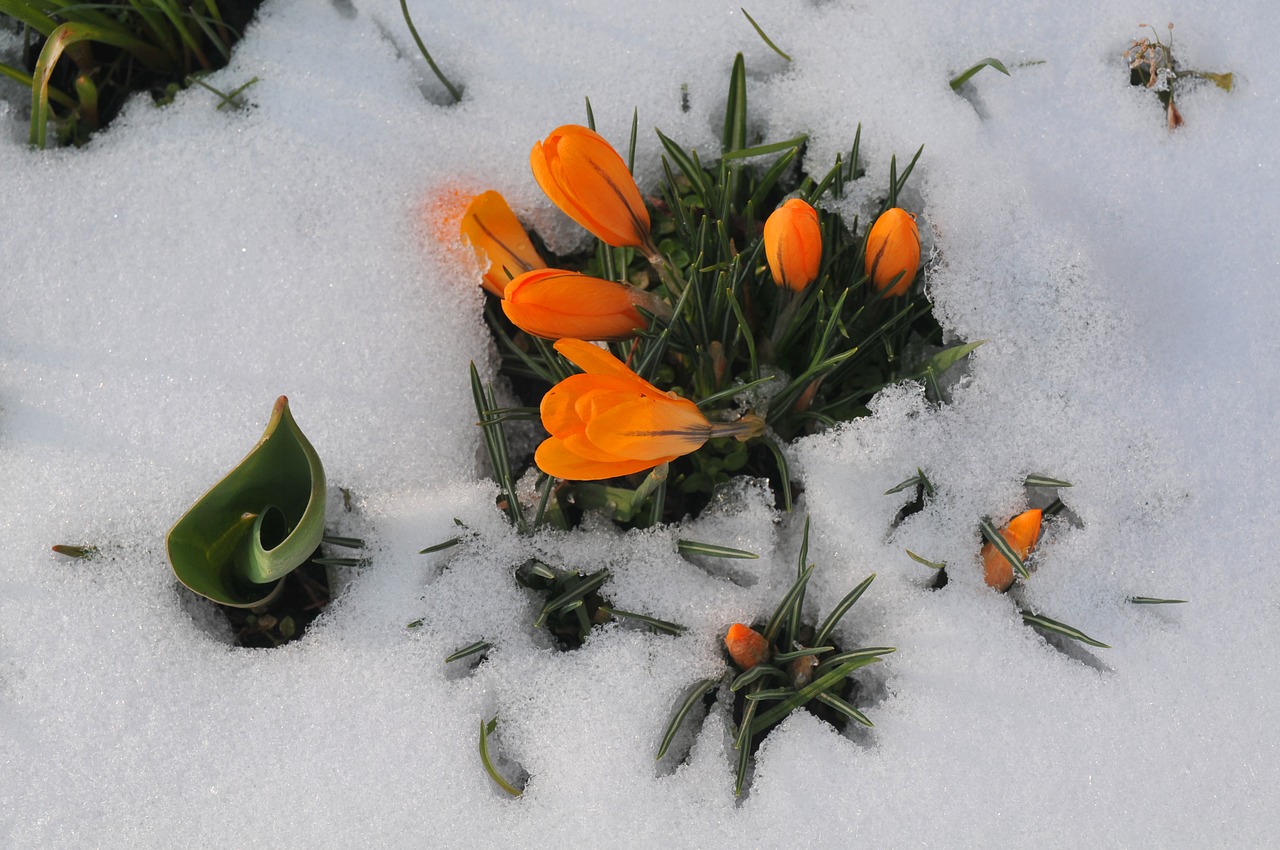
610	422
1021	534
587	179
793	244
555	304
499	239
893	248
746	646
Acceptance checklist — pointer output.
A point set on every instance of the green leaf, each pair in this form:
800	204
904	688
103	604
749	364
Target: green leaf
766	38
573	596
485	731
756	673
693	547
261	521
84	552
697	692
898	488
801	653
833	619
761	150
440	547
868	652
454	91
819	685
471	649
1048	625
948	357
996	539
1152	600
964	76
784	607
1034	480
664	626
933	565
844	708
735	113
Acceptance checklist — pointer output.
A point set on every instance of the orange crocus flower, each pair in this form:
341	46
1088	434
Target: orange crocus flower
587	179
746	646
499	238
793	244
610	422
555	304
1021	534
893	248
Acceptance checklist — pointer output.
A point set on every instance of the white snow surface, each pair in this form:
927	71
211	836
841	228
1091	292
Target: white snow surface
165	283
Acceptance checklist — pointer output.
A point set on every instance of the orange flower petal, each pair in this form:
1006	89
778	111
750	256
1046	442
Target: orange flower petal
500	239
558	461
586	178
1021	534
594	360
650	428
555	304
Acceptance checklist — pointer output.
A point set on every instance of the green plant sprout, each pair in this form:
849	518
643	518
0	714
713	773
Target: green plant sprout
790	664
86	59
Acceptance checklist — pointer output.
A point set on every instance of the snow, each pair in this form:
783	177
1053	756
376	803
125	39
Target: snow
165	283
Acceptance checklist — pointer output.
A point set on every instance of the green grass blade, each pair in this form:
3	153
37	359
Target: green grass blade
833	619
1002	546
784	607
933	565
761	150
819	685
766	38
575	594
784	471
756	673
696	693
454	91
844	708
1035	480
735	112
910	482
867	654
485	731
1045	624
1153	600
471	649
801	653
440	547
663	626
964	76
710	550
771	695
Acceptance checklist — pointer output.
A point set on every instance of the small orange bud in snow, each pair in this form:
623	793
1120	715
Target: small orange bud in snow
793	244
1021	534
587	179
746	646
499	239
555	304
893	247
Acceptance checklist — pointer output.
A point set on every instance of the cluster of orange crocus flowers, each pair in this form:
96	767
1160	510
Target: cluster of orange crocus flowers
609	421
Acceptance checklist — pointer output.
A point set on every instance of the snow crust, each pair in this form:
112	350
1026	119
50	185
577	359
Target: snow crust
1124	277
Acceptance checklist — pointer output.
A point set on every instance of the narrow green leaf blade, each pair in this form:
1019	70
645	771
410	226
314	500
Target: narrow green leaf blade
696	693
1044	623
964	76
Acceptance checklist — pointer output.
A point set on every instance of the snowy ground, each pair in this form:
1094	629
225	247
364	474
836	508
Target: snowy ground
163	285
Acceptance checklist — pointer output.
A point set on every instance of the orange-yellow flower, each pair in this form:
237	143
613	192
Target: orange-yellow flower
584	176
893	248
555	304
793	244
610	422
746	646
499	239
1020	534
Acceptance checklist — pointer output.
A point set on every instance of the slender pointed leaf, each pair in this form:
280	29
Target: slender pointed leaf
710	550
1002	546
485	731
696	693
833	619
1044	623
470	649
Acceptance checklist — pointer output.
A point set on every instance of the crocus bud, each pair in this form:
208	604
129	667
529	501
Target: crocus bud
893	248
793	244
746	646
1020	534
587	179
499	240
555	304
609	421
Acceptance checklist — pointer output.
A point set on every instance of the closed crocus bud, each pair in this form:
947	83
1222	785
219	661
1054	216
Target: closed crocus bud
499	239
746	646
893	248
1021	534
793	244
609	421
555	304
584	176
